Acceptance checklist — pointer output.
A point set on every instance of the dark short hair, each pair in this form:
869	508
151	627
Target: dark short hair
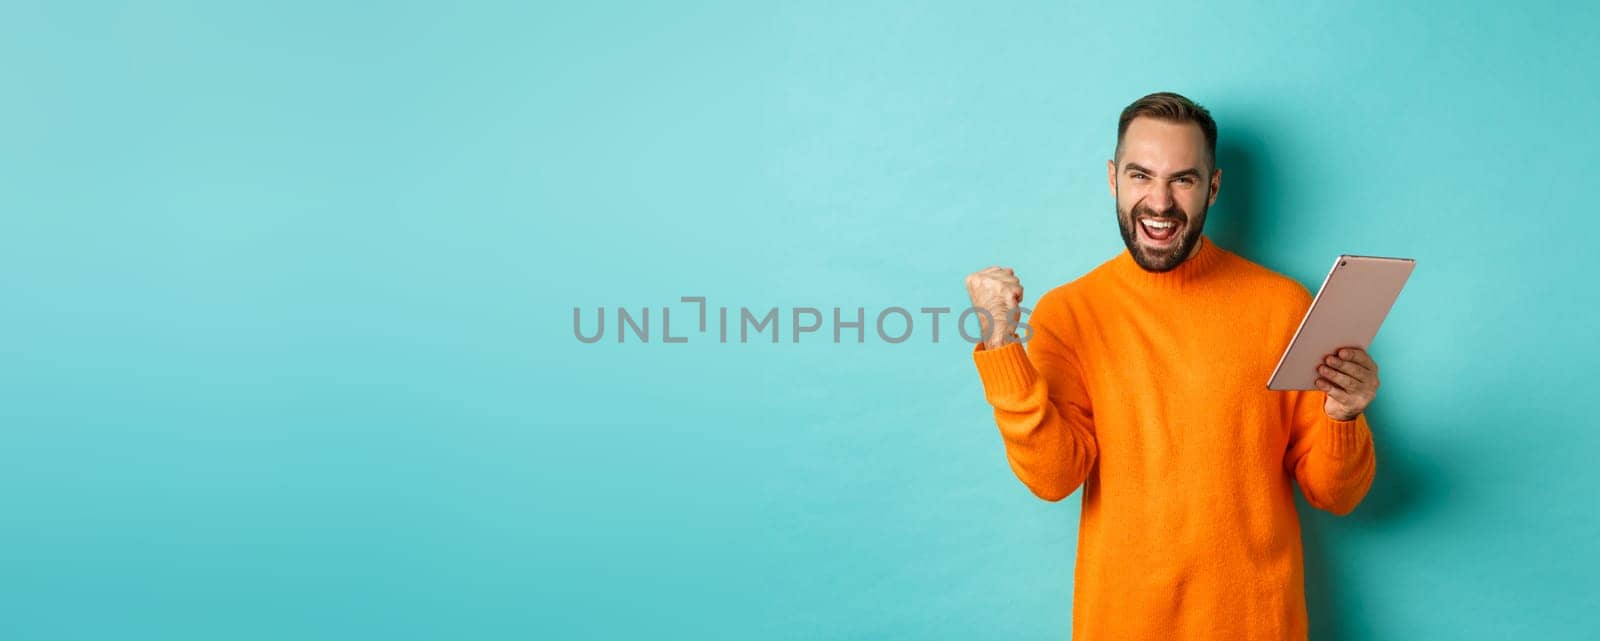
1171	107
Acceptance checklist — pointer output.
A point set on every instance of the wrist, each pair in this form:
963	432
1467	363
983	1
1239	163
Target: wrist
997	342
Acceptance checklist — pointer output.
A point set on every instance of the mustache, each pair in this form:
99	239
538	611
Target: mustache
1173	212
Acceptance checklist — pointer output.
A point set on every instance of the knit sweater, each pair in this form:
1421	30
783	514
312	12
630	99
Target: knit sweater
1148	390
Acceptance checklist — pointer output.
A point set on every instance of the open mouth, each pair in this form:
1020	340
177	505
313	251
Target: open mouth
1159	232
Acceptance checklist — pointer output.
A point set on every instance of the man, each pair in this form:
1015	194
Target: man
1144	382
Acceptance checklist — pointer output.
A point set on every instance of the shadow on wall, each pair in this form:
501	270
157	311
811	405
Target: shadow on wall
1333	594
1235	222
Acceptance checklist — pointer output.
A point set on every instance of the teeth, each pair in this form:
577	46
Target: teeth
1158	224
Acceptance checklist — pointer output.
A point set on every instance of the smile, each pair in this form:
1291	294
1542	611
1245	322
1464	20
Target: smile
1159	232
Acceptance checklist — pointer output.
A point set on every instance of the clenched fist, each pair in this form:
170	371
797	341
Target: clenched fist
997	291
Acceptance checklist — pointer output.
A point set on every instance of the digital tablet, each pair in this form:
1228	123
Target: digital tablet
1353	301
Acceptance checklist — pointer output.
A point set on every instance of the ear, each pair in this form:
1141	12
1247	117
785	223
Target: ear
1216	184
1111	178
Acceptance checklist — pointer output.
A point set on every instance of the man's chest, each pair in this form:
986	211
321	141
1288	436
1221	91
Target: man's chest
1188	382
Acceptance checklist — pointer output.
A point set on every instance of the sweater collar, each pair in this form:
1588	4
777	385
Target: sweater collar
1203	261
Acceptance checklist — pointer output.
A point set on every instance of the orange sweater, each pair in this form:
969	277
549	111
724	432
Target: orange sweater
1149	391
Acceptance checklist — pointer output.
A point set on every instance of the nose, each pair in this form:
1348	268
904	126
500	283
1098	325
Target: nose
1159	198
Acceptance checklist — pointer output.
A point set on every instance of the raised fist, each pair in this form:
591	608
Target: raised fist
997	291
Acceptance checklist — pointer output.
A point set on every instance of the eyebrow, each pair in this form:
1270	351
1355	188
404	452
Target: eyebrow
1191	172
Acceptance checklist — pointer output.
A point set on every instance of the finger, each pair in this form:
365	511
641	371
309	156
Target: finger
1351	368
1341	379
1333	392
1356	399
1353	354
1359	356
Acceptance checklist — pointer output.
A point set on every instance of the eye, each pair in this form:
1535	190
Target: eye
1186	181
1138	176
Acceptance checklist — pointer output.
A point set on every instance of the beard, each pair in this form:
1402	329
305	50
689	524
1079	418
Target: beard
1160	260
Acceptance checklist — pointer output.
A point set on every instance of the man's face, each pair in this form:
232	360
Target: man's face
1161	183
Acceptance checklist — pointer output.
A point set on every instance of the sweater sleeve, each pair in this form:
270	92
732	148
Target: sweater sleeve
1042	409
1333	461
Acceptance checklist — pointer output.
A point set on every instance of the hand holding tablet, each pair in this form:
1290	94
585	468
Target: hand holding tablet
1355	298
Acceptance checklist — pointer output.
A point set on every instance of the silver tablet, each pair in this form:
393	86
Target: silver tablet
1353	301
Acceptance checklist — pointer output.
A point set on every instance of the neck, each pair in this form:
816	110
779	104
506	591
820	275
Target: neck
1194	250
1201	260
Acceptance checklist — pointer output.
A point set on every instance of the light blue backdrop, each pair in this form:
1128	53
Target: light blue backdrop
288	294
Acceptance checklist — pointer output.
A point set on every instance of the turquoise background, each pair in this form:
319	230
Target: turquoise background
288	294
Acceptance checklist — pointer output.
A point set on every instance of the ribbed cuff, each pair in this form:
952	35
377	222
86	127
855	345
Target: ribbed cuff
1006	371
1348	437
